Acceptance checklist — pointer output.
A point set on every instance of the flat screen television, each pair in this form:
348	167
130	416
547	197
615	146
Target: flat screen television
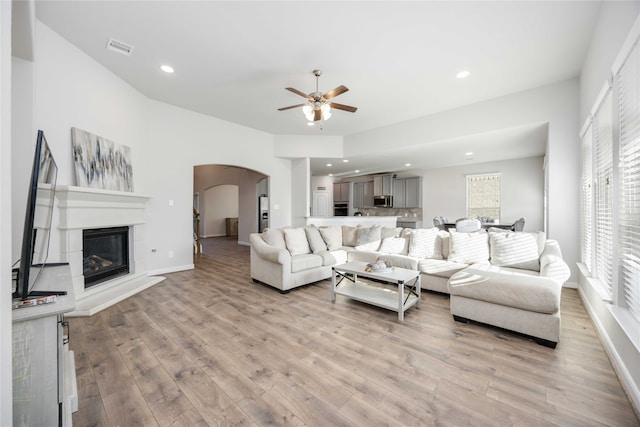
37	222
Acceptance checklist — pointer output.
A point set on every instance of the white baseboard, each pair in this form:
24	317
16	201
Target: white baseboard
633	392
206	236
171	269
244	243
570	285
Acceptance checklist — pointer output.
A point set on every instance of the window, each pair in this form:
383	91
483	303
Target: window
586	200
610	181
629	178
483	196
603	149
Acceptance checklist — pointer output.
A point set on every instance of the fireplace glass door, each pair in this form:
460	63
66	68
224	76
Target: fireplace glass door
105	254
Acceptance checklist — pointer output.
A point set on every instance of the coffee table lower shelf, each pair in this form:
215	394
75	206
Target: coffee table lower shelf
393	297
383	298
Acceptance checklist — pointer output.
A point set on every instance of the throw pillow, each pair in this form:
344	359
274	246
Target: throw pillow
423	243
394	246
296	240
316	243
469	248
349	235
390	232
514	249
368	238
332	236
274	237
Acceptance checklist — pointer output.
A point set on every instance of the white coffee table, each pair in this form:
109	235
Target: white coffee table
405	294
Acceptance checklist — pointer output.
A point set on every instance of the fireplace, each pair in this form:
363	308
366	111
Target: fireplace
105	254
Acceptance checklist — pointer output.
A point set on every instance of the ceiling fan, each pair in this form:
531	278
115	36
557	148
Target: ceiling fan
318	106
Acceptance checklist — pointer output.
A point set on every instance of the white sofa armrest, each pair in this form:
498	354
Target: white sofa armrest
268	252
552	265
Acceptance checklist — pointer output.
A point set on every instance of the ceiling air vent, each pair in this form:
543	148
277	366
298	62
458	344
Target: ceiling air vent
120	47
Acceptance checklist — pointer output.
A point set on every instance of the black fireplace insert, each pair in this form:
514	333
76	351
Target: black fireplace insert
105	254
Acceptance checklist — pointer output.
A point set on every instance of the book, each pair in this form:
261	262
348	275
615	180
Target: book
32	302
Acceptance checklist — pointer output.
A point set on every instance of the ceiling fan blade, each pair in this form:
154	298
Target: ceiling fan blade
343	107
317	116
297	92
290	107
335	92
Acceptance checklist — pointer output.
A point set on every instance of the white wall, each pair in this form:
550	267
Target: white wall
166	142
556	105
6	373
221	202
614	23
300	192
522	180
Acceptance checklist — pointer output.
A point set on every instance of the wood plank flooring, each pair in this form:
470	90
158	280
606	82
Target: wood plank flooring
208	347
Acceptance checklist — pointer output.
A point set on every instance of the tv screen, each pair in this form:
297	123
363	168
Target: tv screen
37	223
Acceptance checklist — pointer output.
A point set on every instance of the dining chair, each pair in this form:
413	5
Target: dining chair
518	225
468	225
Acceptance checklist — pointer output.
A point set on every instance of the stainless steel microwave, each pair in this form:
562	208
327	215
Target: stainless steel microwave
383	201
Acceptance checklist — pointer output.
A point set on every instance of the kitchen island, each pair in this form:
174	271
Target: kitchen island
365	221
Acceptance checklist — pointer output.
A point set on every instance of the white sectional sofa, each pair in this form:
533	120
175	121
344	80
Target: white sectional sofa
507	279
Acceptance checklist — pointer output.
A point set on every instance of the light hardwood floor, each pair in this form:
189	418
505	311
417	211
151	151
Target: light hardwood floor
209	347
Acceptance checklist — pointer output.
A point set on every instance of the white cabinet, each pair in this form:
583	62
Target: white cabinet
44	383
363	194
407	192
382	185
340	192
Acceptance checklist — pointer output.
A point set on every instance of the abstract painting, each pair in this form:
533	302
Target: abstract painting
101	163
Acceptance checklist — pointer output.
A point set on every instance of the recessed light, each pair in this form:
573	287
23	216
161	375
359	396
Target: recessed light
356	171
330	174
462	74
329	164
311	124
469	153
407	164
345	160
166	68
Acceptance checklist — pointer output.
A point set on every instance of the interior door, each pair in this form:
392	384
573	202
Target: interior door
320	203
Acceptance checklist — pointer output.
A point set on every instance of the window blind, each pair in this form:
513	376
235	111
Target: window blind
629	228
603	191
586	200
483	196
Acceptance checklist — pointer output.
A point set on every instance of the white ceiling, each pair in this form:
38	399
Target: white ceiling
233	59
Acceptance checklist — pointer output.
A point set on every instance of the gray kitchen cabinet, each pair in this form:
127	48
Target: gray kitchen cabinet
407	192
362	194
382	185
340	191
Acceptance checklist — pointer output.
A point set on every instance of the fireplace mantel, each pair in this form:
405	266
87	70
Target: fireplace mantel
87	208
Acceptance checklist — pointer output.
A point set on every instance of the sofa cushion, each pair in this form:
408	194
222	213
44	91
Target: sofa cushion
394	245
390	232
516	249
444	240
439	267
305	262
316	242
469	248
539	236
333	257
296	240
362	256
349	235
368	238
422	243
538	294
274	237
402	261
332	236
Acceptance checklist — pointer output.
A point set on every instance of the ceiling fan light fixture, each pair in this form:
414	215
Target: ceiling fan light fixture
326	111
308	112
